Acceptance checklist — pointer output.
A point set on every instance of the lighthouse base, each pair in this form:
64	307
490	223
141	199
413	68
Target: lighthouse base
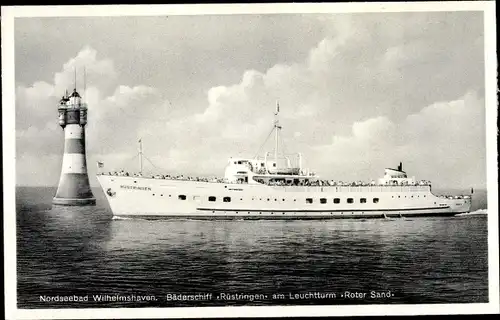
73	202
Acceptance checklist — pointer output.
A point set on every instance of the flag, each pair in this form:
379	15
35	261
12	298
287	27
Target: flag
277	107
100	164
140	140
471	190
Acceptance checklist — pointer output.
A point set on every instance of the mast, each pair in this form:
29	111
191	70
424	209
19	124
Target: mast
84	85
140	156
300	162
277	127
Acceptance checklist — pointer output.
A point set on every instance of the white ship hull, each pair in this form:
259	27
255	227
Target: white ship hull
163	198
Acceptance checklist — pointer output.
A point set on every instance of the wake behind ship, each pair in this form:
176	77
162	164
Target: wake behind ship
273	188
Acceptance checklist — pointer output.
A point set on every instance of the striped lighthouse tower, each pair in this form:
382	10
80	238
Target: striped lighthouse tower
74	187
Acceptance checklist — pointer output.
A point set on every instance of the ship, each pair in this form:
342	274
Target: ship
272	187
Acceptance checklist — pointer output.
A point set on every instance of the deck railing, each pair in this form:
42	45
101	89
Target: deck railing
320	184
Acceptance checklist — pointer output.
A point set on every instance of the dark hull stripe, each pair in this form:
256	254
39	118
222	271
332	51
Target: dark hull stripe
323	210
74	186
284	217
74	146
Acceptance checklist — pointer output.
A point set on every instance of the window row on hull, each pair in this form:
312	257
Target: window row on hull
308	200
337	200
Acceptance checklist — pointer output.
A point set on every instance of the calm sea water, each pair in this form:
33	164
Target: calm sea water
84	252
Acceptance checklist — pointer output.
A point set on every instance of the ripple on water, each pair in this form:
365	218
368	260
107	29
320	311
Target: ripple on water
86	251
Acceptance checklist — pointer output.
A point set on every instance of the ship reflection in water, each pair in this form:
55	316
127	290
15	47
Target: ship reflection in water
83	251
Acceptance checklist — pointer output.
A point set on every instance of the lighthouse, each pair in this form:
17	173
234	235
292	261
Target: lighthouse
74	187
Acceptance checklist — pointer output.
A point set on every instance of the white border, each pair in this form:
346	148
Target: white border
241	8
491	103
9	163
8	98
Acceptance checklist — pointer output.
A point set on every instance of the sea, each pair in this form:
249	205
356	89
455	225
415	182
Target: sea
82	257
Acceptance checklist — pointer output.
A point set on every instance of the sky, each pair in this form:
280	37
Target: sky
358	92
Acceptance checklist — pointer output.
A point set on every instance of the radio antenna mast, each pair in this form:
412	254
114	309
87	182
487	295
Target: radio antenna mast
84	84
140	155
277	127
